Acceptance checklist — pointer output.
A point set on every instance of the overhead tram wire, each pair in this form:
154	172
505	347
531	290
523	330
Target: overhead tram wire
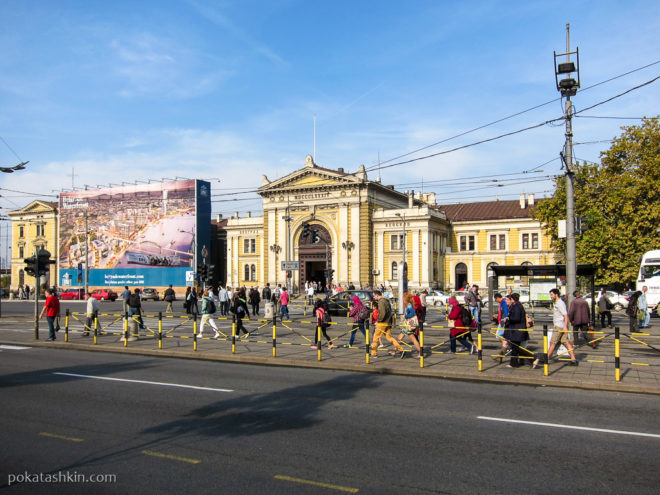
510	116
445	152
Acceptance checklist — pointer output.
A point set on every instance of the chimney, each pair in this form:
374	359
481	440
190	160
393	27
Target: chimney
235	214
249	214
340	170
530	199
522	201
410	198
219	218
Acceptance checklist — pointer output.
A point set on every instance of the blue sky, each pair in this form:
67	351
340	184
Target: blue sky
124	91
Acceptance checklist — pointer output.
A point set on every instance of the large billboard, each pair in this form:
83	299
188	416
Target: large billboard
137	235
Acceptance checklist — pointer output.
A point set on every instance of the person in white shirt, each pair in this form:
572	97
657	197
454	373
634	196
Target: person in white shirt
92	312
560	333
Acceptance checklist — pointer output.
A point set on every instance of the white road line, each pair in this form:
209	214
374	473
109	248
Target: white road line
585	428
14	347
144	381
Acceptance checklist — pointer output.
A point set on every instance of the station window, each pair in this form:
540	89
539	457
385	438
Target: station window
466	243
249	246
396	242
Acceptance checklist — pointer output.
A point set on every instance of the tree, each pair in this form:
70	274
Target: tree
620	199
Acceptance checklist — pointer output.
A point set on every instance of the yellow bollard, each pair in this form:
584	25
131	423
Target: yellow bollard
66	326
274	338
195	333
421	345
319	343
545	350
125	329
96	328
480	362
160	330
367	357
617	355
233	336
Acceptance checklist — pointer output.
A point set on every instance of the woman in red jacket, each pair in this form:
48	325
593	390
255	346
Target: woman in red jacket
462	324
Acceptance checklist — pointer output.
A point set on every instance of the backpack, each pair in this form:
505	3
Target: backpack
240	310
210	306
466	317
134	301
363	313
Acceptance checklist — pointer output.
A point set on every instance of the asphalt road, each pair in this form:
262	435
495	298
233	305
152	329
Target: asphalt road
254	429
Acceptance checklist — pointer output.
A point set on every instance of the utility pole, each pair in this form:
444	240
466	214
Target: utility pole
402	269
568	87
86	256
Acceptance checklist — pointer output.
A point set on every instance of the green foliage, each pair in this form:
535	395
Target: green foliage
621	200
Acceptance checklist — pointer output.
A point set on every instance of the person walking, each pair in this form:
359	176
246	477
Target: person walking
240	311
92	311
52	310
125	294
462	322
384	325
560	332
642	305
191	299
410	328
266	293
516	330
223	297
631	311
422	298
500	319
473	300
208	310
135	307
360	314
323	320
578	315
255	299
605	309
169	296
284	302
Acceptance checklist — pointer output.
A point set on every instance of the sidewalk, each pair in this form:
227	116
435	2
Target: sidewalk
640	365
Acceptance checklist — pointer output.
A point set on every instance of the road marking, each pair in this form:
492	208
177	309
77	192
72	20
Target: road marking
173	457
61	437
316	483
14	347
144	381
585	428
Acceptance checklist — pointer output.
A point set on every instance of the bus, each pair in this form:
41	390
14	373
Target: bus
649	276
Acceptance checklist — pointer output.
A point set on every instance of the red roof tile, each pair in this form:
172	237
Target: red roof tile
486	210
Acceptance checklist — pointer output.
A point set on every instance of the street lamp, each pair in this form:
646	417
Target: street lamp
402	276
275	248
287	218
348	246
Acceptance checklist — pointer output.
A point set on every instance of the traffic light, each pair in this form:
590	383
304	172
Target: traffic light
288	274
305	230
43	262
202	271
31	266
331	273
315	236
210	272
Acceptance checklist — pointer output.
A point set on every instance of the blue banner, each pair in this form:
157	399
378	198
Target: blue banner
136	277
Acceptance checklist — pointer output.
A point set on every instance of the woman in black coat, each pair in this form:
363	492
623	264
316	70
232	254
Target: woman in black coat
516	330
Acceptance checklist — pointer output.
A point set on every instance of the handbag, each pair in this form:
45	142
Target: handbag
412	322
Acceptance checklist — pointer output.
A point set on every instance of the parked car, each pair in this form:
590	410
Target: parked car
437	298
339	303
620	301
149	293
4	293
104	294
72	295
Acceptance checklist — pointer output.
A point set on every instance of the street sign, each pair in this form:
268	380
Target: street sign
289	265
190	278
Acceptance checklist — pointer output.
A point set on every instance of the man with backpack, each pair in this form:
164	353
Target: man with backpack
208	310
135	307
383	325
240	311
473	300
266	293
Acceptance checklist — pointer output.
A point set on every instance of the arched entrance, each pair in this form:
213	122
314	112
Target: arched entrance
461	275
315	255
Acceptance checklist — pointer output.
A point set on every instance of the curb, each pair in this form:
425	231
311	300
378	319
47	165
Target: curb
364	368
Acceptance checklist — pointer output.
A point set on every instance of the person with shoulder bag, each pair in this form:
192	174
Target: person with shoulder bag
323	320
410	325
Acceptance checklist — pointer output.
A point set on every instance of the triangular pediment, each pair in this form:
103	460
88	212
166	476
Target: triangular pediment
310	178
36	206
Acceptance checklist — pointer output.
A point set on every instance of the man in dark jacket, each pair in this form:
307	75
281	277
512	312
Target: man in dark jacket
578	315
254	300
516	331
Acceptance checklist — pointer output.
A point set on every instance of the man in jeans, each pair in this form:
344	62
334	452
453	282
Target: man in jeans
52	310
383	325
473	300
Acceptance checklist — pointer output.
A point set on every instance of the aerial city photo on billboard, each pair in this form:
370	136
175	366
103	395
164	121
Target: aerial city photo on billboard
144	234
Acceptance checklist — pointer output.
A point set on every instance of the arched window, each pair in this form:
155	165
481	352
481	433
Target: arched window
246	275
461	274
253	273
395	271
